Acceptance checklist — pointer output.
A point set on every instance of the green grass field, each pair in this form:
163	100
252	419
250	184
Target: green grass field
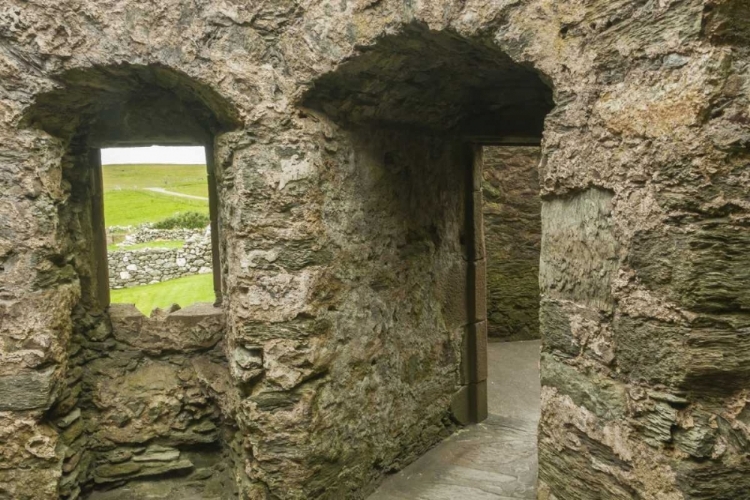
150	244
182	291
128	203
131	207
186	179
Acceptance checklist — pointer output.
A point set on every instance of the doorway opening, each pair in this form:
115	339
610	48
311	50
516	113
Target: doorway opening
511	216
158	226
420	106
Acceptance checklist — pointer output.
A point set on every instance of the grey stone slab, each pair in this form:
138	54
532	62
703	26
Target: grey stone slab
27	390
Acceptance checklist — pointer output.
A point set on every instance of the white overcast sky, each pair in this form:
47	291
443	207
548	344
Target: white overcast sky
182	155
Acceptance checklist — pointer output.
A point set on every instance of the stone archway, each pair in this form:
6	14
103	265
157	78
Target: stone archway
418	106
336	256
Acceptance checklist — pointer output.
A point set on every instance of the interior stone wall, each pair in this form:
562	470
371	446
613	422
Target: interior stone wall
373	312
153	412
643	177
512	235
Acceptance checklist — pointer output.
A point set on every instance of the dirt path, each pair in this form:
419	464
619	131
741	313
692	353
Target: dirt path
173	193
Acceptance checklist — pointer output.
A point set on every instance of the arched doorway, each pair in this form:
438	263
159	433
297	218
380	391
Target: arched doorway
420	106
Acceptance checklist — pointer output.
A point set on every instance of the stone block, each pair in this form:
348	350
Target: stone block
728	21
451	290
477	165
710	353
579	255
588	470
601	396
460	406
478	227
705	269
196	327
555	326
27	390
197	313
713	480
480	409
479	268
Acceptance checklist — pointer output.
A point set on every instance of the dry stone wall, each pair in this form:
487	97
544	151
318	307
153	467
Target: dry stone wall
153	265
342	230
512	234
146	234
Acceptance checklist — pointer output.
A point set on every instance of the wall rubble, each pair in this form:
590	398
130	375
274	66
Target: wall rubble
150	397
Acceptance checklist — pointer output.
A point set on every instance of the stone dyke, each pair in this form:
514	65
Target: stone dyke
153	265
145	234
513	236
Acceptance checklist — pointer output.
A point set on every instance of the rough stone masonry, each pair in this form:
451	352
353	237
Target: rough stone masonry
352	259
145	266
512	235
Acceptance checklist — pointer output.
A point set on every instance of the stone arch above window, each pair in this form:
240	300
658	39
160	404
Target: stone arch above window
115	104
123	105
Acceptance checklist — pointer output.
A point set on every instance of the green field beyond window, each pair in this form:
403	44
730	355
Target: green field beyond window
157	219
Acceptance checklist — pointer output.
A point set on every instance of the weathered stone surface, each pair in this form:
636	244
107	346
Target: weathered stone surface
702	268
601	396
512	233
29	456
197	327
158	454
708	354
579	249
704	482
337	131
28	390
112	473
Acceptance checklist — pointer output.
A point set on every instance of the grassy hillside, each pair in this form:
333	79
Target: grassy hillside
131	207
182	291
186	179
127	202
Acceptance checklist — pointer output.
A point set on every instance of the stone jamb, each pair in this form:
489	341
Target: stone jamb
469	404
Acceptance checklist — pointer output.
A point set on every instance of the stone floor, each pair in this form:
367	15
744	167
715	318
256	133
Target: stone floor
494	460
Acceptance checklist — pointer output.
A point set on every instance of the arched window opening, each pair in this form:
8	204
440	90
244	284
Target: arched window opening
151	409
125	106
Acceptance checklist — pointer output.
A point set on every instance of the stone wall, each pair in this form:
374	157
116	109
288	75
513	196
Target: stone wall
512	234
148	398
330	126
145	234
153	265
